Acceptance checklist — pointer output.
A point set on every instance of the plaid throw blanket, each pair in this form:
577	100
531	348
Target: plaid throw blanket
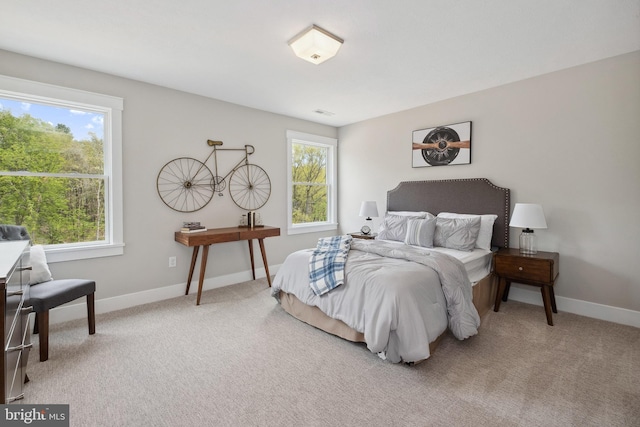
326	265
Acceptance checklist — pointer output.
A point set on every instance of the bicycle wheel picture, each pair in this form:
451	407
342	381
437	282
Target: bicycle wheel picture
185	184
442	154
249	187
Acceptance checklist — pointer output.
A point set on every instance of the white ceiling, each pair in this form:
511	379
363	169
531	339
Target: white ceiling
396	55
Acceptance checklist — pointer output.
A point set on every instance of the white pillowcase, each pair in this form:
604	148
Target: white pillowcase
420	232
39	269
418	214
456	233
486	227
394	227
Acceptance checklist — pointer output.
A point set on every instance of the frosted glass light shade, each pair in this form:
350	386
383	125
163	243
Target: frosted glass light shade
528	215
315	45
369	209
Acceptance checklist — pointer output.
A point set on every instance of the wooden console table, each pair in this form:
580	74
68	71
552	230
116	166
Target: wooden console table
223	235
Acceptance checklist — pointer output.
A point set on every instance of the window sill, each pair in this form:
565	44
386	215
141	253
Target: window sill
83	252
311	228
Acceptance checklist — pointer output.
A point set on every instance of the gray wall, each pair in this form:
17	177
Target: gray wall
568	140
159	125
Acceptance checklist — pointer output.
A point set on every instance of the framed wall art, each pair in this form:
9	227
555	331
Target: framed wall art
442	146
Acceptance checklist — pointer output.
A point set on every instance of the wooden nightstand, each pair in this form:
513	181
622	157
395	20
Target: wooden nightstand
359	235
540	269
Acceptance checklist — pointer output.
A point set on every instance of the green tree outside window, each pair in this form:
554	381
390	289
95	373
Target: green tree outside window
51	183
310	188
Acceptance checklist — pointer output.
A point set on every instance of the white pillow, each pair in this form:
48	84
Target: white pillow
486	227
420	232
39	269
420	214
394	227
456	233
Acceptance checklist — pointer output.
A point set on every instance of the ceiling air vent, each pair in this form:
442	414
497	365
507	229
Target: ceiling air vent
324	113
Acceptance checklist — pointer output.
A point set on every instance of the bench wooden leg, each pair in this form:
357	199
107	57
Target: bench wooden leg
43	332
91	313
35	325
41	326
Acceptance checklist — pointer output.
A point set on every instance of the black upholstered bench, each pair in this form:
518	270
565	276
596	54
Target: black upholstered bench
47	295
52	293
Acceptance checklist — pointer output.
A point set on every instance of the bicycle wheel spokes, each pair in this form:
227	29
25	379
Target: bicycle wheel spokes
250	187
185	184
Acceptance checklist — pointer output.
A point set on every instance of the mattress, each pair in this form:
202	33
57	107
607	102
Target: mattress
394	314
476	262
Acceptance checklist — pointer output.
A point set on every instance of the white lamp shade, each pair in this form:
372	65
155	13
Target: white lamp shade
369	209
315	45
528	215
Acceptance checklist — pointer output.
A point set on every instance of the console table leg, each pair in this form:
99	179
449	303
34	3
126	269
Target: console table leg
264	260
193	265
253	266
203	268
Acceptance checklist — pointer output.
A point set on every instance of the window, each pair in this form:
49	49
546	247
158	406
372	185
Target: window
61	168
312	183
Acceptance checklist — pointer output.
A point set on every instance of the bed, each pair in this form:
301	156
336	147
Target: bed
401	306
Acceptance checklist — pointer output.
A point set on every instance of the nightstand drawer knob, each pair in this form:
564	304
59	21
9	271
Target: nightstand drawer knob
520	268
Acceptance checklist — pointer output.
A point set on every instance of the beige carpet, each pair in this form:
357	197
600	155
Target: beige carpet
239	359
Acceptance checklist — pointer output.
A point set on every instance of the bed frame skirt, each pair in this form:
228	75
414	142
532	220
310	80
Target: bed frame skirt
484	293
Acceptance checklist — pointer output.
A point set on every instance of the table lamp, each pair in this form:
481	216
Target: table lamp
368	209
528	216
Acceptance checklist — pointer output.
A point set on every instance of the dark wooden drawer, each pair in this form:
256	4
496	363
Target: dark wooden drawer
541	268
16	369
13	385
10	310
14	290
526	269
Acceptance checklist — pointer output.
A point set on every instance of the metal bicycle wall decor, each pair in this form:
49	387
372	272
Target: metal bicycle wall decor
187	185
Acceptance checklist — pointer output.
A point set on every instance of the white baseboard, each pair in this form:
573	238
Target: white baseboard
79	310
622	316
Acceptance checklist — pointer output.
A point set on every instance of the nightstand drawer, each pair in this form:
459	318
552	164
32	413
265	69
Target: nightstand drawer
526	269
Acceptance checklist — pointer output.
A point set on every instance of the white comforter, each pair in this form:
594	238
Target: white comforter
400	297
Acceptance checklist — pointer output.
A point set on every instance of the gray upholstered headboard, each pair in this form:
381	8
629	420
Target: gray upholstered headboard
470	196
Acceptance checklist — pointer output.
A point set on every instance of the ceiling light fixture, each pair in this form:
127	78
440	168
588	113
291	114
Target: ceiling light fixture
315	45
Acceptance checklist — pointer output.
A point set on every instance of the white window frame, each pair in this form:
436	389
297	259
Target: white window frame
332	182
111	107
